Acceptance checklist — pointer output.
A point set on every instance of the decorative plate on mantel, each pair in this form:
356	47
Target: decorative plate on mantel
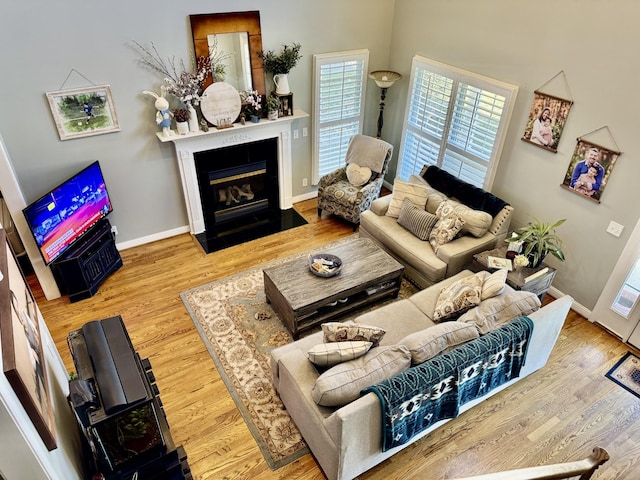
220	104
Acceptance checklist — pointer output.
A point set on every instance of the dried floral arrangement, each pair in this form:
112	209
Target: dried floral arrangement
251	101
181	114
183	83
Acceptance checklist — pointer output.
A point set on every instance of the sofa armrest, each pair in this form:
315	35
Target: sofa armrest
459	253
500	224
381	205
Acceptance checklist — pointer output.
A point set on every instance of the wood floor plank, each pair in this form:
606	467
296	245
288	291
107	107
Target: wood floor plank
556	414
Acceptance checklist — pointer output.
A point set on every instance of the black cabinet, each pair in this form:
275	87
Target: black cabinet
81	270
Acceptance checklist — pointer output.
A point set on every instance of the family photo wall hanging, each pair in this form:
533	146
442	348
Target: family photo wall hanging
82	112
547	117
590	167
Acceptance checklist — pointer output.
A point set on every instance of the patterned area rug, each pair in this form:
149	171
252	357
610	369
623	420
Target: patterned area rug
626	373
240	329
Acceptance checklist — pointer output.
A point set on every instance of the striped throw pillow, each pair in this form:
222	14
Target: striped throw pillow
417	220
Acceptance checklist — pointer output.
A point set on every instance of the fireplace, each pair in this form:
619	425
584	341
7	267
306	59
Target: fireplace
237	181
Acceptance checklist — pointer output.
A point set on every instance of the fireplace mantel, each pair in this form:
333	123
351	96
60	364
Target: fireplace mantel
187	145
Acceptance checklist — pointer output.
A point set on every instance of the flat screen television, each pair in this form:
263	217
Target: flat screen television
58	219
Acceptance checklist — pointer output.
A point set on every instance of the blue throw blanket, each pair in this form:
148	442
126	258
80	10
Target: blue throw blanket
436	389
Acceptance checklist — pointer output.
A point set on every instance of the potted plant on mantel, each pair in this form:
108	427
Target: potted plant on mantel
539	239
273	105
281	64
181	116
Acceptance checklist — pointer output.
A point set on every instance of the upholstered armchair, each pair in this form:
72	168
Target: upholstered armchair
349	190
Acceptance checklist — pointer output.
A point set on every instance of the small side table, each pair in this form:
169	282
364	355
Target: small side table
516	278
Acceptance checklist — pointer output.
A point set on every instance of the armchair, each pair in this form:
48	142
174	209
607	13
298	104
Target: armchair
348	199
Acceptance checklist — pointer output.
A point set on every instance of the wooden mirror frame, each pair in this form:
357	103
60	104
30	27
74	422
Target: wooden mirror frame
213	23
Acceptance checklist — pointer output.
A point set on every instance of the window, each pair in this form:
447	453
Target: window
456	120
339	93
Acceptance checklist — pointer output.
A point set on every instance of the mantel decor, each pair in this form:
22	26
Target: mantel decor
23	359
82	112
547	117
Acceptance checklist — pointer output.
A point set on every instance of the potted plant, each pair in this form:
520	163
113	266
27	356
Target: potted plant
281	64
273	105
252	104
181	116
538	240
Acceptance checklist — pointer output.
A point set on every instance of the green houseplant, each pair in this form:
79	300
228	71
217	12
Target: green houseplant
282	62
273	105
539	239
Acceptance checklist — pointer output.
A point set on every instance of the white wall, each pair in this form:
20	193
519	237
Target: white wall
594	43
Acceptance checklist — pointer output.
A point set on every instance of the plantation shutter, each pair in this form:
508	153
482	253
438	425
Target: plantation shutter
339	93
456	120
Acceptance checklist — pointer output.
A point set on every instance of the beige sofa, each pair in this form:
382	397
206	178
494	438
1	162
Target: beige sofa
422	264
347	440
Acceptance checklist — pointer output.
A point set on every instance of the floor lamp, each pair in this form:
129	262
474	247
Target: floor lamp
384	79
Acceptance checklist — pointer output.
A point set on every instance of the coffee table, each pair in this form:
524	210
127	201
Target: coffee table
303	300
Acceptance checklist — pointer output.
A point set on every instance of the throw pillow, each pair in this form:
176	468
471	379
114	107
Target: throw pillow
340	332
496	311
476	222
493	284
432	341
358	175
330	354
401	190
457	298
342	383
445	230
416	220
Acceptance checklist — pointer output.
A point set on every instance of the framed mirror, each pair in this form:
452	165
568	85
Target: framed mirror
238	34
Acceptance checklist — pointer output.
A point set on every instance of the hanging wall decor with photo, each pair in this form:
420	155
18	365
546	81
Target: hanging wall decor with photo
23	360
82	112
589	169
548	116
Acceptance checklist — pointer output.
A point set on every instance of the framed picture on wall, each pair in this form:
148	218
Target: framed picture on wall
82	112
589	170
23	359
547	118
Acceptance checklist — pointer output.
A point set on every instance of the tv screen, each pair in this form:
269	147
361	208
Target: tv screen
67	212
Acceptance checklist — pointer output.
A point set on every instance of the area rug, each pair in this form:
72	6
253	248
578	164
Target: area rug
240	329
626	373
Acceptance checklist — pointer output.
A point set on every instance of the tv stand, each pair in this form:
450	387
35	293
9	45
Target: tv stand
81	270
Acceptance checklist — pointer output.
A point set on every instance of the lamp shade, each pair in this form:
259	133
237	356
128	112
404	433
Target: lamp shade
385	78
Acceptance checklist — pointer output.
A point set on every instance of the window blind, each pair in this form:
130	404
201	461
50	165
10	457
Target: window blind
339	86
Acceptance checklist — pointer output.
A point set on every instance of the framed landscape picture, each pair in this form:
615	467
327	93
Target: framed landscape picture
82	112
23	359
546	121
589	170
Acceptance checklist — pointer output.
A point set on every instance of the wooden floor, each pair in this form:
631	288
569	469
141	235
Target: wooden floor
557	414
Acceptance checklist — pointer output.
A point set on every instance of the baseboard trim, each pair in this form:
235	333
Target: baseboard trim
304	196
575	306
136	242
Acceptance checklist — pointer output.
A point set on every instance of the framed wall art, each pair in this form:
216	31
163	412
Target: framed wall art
589	170
23	360
546	121
82	112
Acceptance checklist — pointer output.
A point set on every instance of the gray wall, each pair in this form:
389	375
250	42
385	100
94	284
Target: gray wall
43	41
594	43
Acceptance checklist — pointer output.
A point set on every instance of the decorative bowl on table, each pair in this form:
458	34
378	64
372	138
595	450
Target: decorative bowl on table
324	264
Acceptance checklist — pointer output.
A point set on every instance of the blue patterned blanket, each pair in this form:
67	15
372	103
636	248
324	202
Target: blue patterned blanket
436	389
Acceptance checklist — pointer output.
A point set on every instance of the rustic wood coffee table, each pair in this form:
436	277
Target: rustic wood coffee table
303	300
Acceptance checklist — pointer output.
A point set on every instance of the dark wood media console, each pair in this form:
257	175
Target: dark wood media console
81	270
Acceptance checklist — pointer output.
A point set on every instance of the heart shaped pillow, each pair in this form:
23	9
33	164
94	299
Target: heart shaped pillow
358	175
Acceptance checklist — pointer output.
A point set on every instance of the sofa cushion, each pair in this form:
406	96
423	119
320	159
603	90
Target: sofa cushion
358	175
498	310
329	354
428	343
476	222
445	230
416	220
457	298
492	283
401	190
341	332
342	383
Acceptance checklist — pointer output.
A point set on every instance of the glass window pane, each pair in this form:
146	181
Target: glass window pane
629	292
